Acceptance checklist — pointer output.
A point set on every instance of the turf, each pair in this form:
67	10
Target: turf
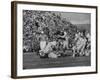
33	61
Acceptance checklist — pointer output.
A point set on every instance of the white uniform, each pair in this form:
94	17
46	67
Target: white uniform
65	43
89	37
42	45
80	45
52	55
49	46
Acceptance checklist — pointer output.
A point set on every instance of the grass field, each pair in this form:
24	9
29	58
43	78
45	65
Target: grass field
32	61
